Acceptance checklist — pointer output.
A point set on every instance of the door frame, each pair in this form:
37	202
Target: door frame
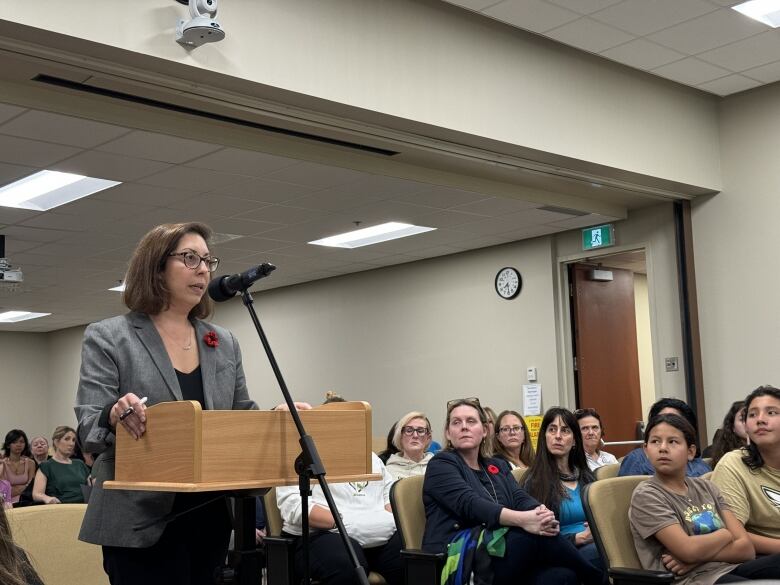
564	341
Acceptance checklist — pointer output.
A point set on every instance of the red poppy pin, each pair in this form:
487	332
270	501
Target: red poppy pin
211	339
493	469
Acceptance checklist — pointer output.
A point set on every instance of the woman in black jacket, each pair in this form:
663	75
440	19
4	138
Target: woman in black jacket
470	497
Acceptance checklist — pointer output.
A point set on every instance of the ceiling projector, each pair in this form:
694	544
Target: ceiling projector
8	276
203	26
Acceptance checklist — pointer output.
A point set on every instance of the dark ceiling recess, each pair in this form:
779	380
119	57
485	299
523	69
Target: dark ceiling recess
50	80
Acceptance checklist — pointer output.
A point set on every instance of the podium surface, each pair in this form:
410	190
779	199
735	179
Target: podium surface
188	449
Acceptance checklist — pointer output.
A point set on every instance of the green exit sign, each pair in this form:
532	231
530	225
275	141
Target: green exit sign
601	236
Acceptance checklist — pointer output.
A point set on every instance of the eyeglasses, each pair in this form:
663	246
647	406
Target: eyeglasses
473	401
193	260
419	431
509	430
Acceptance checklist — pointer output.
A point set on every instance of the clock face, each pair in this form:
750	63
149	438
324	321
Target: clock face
508	283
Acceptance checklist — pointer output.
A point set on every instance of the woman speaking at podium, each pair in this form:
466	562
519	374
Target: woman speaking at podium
160	351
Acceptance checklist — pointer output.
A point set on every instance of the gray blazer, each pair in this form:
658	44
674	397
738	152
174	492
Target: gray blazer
126	354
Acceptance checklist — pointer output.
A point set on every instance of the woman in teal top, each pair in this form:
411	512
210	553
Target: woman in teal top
557	475
59	480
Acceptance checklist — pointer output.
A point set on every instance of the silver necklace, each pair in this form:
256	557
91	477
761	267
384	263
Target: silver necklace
494	495
189	338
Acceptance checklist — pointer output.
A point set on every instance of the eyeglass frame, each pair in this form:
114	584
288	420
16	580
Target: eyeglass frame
415	431
207	260
506	430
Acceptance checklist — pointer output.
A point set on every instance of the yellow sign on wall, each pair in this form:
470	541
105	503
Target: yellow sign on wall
534	424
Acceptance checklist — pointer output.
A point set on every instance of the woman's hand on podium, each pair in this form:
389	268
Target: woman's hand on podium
298	406
129	411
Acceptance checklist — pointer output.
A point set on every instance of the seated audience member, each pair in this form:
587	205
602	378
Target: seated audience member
260	522
39	447
750	478
491	438
365	509
390	449
637	463
59	480
15	567
470	498
557	475
513	441
592	434
18	466
411	437
732	434
683	524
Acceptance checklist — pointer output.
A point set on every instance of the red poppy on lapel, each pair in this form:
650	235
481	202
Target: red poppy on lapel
492	469
211	339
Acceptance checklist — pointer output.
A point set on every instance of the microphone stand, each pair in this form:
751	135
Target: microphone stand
308	464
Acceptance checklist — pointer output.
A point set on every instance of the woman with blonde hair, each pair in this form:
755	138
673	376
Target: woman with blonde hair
59	480
411	437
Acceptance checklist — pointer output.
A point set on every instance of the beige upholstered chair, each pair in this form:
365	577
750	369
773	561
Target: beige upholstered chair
607	471
49	535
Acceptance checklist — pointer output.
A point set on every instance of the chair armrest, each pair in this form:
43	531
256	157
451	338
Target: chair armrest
624	575
280	559
422	568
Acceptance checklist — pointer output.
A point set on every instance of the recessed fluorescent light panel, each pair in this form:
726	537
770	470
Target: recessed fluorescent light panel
118	288
49	189
372	235
766	11
16	316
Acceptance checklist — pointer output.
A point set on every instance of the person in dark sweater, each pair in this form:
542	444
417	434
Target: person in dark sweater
466	491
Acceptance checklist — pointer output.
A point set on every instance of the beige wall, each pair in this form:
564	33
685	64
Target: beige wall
735	237
644	342
417	60
24	390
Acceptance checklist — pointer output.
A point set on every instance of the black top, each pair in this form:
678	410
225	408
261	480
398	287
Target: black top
191	385
457	497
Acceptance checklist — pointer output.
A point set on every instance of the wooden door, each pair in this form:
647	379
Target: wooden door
605	349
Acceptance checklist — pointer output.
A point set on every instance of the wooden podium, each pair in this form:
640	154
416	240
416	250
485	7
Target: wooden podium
187	449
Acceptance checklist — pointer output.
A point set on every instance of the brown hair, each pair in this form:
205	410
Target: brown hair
526	449
145	289
484	448
14	569
61	431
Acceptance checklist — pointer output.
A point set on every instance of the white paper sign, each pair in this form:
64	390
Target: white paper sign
532	399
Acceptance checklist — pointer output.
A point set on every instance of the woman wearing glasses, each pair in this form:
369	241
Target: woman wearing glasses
161	351
559	473
513	441
411	437
472	502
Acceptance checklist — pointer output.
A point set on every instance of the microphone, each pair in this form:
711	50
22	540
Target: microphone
224	288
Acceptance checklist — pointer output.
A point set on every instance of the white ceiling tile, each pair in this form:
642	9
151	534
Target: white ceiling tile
589	35
642	17
265	190
495	206
473	4
59	221
89	209
61	129
381	187
34	153
332	201
216	205
239	226
727	2
7	111
768	73
281	214
250	244
690	71
706	32
10	173
194	180
322	227
729	84
142	194
448	218
746	54
384	211
172	149
39	235
242	162
441	197
583	221
104	165
316	175
533	15
585	6
642	54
